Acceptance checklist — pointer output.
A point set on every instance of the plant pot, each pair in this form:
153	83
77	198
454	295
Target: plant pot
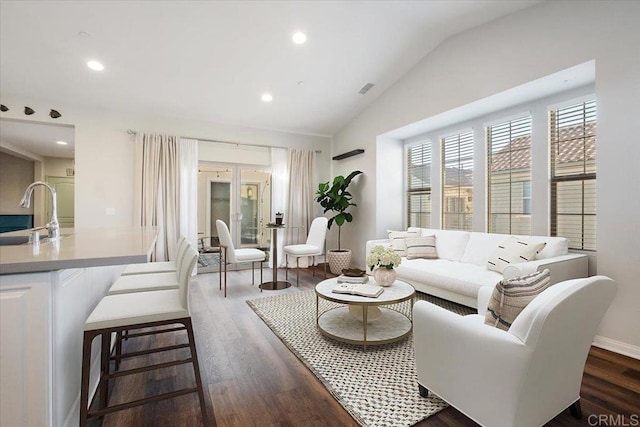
338	260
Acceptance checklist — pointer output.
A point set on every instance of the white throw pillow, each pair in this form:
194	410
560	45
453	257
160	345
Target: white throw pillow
513	251
421	247
396	239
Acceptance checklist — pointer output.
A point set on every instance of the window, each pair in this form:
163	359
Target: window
509	165
573	174
457	181
419	185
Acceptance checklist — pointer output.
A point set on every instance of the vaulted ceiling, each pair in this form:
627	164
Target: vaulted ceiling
213	60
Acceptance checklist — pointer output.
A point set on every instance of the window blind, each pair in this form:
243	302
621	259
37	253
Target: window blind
509	165
573	174
419	185
457	181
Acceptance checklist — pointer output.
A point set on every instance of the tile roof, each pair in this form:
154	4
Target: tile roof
517	155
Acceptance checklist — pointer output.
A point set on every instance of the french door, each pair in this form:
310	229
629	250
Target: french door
241	197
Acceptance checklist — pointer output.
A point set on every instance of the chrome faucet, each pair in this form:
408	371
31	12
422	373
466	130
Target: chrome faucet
53	227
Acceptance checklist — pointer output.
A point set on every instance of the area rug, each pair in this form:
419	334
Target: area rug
378	387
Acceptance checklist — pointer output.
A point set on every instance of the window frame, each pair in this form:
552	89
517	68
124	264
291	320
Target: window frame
514	124
421	191
466	218
583	177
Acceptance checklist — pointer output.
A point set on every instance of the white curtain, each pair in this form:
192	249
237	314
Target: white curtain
157	190
301	206
189	190
279	189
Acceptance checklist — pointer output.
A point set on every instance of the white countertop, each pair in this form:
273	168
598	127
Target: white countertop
79	248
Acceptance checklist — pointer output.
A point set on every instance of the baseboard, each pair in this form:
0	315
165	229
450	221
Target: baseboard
617	346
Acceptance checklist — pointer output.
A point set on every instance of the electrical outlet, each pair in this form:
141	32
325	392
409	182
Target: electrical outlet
110	211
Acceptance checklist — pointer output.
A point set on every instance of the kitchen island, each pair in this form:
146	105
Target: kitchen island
46	294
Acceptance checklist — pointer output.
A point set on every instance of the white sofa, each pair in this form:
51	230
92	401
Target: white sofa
461	268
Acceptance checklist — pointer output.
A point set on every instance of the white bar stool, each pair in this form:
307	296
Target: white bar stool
152	281
116	313
158	267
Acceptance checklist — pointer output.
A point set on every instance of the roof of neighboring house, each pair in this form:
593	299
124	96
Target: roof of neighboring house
516	154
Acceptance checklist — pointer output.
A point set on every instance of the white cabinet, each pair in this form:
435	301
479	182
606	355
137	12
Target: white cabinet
25	385
42	321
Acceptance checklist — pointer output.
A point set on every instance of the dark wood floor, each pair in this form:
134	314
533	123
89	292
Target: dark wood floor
252	379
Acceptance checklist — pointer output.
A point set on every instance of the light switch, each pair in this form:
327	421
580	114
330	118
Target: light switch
111	211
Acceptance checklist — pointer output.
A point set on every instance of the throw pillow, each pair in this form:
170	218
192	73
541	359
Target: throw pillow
513	251
396	238
511	296
421	247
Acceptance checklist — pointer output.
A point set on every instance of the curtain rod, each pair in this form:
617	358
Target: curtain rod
133	132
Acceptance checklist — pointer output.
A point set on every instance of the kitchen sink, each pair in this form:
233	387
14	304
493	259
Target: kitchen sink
13	240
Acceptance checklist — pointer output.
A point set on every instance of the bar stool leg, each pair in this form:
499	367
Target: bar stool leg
84	384
286	266
297	271
105	351
196	371
118	349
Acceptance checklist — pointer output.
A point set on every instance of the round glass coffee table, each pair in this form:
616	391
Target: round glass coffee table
363	320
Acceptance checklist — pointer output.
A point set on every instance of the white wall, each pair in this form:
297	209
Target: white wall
104	153
506	53
56	166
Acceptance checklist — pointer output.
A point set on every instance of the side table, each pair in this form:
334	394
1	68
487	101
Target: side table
274	284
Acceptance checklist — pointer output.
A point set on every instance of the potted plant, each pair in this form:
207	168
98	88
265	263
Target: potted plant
382	261
337	199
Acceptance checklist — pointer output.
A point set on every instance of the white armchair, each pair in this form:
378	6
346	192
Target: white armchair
521	377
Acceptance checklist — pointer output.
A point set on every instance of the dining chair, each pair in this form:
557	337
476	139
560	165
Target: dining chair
313	247
230	255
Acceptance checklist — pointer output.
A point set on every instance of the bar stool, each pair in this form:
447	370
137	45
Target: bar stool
116	313
151	281
158	267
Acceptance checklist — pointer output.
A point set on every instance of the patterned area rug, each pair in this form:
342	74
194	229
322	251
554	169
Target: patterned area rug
378	387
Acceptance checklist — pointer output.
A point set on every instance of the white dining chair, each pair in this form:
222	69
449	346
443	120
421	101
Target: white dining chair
312	248
230	255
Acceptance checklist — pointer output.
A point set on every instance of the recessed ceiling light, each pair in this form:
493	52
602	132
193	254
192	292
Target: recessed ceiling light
95	65
61	142
299	37
266	97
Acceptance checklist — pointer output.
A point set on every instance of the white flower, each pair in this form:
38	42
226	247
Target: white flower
383	257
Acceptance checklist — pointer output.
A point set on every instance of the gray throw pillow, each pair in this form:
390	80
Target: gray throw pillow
511	296
421	247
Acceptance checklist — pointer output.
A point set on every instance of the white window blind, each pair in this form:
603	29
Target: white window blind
457	181
419	185
509	164
573	174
